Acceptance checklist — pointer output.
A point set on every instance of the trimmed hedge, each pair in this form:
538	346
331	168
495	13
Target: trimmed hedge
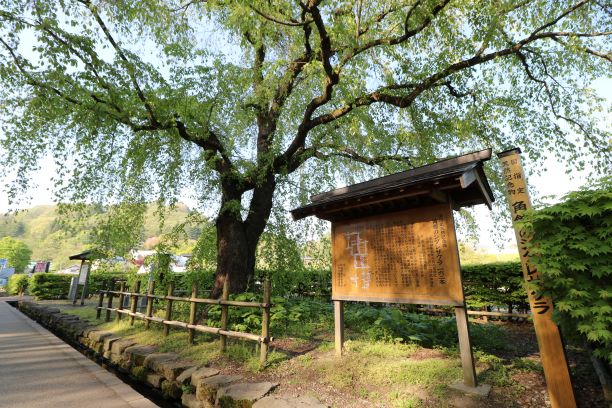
495	284
50	286
17	283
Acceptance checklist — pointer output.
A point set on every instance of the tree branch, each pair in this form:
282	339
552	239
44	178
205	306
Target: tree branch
129	66
291	23
407	34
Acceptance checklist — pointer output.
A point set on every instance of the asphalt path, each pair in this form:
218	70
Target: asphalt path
38	369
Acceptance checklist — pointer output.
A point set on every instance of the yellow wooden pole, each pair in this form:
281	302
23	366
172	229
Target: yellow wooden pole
224	314
552	353
192	311
265	322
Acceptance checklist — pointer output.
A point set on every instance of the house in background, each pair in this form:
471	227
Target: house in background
5	274
71	270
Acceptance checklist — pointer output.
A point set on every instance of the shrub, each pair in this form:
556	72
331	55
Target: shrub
572	251
17	283
101	280
50	286
495	284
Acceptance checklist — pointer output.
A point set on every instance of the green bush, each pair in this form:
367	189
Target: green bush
572	251
102	280
495	284
17	283
299	282
394	324
50	286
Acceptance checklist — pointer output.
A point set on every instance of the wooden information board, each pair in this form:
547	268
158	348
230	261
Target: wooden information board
402	257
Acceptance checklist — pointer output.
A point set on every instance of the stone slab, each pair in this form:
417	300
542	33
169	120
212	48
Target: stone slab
206	388
154	360
482	390
190	401
244	394
185	376
154	380
289	402
119	346
202	373
108	342
172	369
137	354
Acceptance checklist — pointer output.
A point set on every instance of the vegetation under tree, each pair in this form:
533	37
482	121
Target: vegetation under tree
257	103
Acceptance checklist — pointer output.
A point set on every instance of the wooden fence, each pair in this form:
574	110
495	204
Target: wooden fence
263	340
518	317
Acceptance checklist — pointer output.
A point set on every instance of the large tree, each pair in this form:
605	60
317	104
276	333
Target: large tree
248	102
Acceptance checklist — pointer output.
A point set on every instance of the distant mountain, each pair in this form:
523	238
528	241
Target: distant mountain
40	229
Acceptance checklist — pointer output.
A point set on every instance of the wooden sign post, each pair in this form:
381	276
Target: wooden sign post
393	241
403	257
552	353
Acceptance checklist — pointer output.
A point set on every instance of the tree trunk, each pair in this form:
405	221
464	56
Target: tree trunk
237	239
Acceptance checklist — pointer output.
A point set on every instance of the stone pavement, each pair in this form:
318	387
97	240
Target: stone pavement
39	370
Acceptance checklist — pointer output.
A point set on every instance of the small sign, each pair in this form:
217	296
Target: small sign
404	257
3	263
83	273
41	266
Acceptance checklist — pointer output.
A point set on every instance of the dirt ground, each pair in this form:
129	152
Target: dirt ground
302	375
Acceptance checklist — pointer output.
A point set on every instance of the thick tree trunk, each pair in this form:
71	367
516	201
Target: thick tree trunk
237	239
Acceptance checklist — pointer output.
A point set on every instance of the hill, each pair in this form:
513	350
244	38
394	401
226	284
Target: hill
49	239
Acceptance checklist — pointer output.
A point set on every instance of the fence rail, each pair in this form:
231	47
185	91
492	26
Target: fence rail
484	314
193	301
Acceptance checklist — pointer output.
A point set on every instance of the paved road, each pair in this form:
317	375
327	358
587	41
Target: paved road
39	370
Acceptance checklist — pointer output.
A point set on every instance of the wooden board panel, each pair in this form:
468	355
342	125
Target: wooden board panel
404	257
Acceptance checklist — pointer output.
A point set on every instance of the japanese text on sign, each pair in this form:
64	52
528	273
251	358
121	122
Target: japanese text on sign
408	257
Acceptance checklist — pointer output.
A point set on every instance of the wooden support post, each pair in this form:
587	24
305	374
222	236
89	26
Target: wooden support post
465	347
192	310
224	296
134	301
169	308
100	303
339	326
121	300
109	302
149	312
556	371
265	322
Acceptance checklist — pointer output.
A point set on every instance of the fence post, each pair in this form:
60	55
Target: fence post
265	322
100	303
134	301
192	310
224	296
168	308
149	312
121	299
109	302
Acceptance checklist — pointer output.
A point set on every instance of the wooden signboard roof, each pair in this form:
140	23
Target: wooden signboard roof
84	256
461	179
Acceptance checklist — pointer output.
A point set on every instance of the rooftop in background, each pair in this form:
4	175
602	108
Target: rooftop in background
460	179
